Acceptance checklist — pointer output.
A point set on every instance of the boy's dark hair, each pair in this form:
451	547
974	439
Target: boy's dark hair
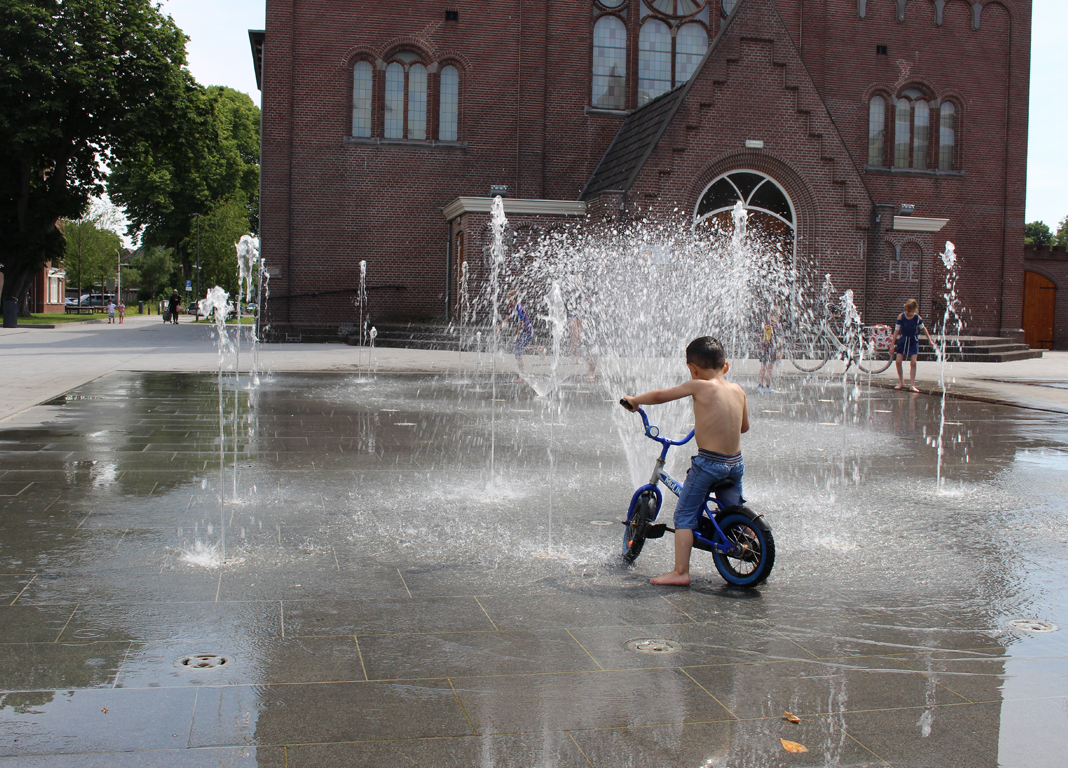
706	352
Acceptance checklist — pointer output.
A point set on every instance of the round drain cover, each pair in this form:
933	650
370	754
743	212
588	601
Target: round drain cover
1031	625
202	661
653	645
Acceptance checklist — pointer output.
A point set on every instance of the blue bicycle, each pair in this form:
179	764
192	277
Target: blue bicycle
740	541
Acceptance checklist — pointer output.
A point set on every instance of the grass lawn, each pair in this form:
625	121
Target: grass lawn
53	318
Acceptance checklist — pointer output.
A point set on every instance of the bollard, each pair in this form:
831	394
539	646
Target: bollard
11	313
140	307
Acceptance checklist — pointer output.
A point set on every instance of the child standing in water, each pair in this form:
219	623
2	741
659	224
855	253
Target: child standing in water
721	415
524	328
907	342
769	349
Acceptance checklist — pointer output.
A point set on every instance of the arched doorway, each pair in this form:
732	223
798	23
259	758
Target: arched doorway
1040	295
771	212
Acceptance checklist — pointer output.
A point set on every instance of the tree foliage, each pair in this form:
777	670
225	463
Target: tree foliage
91	252
157	273
1037	233
214	165
82	84
1061	238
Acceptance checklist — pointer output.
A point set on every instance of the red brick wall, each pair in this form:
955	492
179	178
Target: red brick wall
525	83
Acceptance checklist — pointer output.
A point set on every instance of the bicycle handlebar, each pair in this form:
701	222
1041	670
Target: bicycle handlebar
652	431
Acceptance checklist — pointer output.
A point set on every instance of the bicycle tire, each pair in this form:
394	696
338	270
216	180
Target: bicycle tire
637	524
880	360
809	354
754	557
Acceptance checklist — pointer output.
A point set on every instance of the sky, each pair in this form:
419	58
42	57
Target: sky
219	54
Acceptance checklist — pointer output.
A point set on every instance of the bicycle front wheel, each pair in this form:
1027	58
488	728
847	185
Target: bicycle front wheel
879	361
752	552
637	524
809	353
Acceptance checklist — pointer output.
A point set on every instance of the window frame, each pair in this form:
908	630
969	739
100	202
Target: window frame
913	94
627	48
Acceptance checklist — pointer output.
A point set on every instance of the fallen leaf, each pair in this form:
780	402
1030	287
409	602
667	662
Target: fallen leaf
792	746
104	710
791	717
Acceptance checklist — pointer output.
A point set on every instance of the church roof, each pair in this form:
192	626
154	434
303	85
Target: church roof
634	142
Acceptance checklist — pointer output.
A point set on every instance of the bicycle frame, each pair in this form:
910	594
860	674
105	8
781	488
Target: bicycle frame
701	541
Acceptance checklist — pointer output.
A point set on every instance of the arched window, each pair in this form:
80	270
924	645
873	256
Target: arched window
876	130
947	136
609	81
654	60
758	194
362	84
921	121
902	129
691	42
449	111
394	122
417	102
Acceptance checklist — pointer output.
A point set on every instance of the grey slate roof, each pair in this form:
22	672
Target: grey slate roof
634	142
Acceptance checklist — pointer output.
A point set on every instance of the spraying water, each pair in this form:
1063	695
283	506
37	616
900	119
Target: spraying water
217	303
949	260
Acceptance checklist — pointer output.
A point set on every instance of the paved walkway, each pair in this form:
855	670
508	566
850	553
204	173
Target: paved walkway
40	364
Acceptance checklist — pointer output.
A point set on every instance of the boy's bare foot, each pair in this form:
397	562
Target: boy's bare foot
672	579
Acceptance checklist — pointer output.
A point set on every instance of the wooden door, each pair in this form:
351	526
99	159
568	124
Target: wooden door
1039	298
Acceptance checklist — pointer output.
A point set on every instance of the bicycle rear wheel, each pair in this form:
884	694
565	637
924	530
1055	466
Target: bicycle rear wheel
753	547
637	524
809	353
877	362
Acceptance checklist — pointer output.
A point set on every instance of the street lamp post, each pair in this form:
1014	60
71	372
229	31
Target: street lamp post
196	295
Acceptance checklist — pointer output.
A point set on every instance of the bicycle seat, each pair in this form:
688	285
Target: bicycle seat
720	485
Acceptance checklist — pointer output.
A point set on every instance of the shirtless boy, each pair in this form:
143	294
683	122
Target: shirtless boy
720	415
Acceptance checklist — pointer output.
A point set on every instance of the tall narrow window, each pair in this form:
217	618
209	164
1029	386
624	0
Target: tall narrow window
361	99
947	136
609	82
921	122
902	123
417	102
448	118
654	60
394	123
691	42
876	130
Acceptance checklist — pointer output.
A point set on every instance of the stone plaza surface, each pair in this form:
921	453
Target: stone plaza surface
420	568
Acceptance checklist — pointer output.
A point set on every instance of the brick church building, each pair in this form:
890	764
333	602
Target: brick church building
865	133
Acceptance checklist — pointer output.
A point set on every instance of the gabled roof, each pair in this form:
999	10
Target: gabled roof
641	132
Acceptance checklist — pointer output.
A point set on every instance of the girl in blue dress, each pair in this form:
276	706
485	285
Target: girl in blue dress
907	342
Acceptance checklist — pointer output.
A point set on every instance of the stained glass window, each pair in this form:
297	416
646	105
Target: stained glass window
654	60
450	104
394	101
609	79
902	124
876	129
947	136
921	121
691	43
361	99
417	102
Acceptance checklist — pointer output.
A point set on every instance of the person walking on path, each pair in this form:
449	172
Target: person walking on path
172	306
907	342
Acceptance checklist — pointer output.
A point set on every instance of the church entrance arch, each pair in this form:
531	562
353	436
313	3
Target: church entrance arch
772	217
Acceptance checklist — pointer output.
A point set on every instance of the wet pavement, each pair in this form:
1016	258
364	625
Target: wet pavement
421	570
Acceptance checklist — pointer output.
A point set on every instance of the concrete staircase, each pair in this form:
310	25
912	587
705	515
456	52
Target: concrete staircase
980	349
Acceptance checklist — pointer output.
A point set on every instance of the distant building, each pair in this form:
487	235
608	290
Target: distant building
865	133
48	290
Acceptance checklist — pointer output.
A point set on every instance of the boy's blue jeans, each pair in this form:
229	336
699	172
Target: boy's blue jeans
705	471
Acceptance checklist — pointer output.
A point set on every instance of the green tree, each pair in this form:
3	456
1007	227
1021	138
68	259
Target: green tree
216	162
82	82
1037	233
91	251
219	232
1061	238
156	272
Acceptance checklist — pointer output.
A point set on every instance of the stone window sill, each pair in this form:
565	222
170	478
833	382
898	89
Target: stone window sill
880	170
610	112
429	144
